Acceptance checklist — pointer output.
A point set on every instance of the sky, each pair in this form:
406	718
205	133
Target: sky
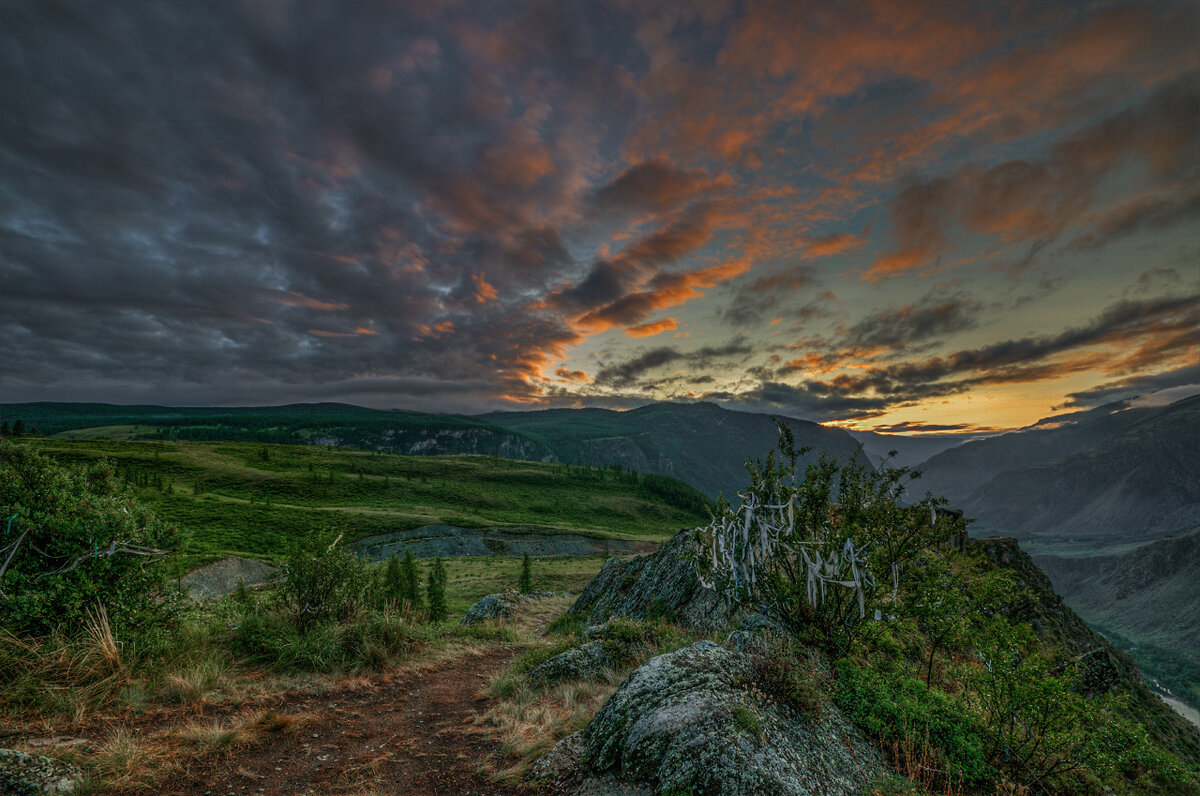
895	215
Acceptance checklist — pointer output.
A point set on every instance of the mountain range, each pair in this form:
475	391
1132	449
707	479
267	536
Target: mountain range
700	443
1114	474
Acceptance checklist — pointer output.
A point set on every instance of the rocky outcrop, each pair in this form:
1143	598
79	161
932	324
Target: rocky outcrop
498	606
222	577
692	721
658	586
23	774
1102	667
585	661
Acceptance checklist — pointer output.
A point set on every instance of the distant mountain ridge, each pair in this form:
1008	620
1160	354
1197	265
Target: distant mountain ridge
1151	594
1109	475
412	433
910	450
699	443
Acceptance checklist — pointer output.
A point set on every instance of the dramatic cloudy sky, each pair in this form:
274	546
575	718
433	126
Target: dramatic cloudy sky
894	215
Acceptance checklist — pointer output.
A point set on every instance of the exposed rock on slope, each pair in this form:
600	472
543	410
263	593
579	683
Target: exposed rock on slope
23	774
659	586
500	605
1151	594
1105	667
222	577
586	660
451	540
690	721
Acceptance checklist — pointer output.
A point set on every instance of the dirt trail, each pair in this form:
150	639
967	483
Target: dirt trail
406	733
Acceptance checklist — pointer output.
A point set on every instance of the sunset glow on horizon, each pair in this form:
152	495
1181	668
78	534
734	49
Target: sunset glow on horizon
896	216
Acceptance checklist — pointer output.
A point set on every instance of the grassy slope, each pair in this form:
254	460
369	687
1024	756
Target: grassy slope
232	501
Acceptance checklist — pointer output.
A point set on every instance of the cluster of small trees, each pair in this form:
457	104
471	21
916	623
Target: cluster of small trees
402	588
17	429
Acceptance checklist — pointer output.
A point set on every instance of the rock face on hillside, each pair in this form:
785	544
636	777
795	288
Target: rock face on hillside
24	774
1127	591
222	577
454	541
659	586
1103	666
691	721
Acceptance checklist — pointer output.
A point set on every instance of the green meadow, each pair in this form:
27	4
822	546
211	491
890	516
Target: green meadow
253	499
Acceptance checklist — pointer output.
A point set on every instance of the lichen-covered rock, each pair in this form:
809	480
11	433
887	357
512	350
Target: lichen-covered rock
754	634
662	585
497	606
691	721
586	660
24	774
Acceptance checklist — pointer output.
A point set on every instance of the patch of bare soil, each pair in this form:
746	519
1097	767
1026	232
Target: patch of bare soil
406	733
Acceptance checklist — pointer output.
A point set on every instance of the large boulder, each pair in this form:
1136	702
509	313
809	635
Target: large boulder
23	774
585	661
500	605
693	721
662	585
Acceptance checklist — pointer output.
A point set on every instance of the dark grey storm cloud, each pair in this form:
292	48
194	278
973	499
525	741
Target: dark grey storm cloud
899	329
244	194
1126	388
629	372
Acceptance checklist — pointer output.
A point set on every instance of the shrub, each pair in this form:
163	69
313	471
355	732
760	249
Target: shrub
74	537
791	676
410	594
820	553
892	706
374	641
323	580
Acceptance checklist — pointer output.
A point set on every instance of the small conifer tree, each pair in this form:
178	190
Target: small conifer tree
411	594
18	429
525	582
436	591
393	581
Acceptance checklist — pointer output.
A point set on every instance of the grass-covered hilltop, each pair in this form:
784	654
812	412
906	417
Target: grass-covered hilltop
253	499
828	631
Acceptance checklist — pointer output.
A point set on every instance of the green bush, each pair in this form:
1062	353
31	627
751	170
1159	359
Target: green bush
820	553
74	537
791	676
892	705
374	641
322	580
